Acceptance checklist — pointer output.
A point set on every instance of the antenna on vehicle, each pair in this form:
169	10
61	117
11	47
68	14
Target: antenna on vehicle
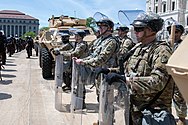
75	13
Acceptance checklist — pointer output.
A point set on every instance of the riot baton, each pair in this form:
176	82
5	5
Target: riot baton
172	36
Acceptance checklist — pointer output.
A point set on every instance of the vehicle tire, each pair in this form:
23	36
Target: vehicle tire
46	63
40	56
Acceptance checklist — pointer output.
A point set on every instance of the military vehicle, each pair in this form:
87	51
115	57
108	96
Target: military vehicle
177	67
50	39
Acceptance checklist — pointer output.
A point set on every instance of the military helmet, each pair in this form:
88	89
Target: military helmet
81	33
1	32
123	28
150	20
64	36
178	27
105	21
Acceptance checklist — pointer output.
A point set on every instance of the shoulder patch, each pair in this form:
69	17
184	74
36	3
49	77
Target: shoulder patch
164	59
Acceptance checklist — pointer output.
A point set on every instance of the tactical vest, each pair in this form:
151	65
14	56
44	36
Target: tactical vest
141	60
140	64
112	61
100	45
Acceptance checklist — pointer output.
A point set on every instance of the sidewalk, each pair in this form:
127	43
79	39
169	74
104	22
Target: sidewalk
27	98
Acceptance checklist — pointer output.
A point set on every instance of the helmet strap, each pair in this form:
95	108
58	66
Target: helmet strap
147	36
101	34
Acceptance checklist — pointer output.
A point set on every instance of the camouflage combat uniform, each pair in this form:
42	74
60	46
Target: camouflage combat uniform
126	44
80	51
147	69
104	53
3	48
66	46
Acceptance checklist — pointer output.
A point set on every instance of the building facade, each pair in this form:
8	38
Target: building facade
177	9
14	23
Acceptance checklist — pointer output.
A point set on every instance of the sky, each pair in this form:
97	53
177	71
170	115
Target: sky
44	9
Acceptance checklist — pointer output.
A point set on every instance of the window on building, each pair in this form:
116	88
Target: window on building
164	7
20	30
16	29
12	21
0	27
173	5
24	29
156	9
12	29
0	21
4	21
4	29
8	21
8	30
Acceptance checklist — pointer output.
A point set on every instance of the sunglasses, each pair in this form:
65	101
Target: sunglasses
139	29
102	26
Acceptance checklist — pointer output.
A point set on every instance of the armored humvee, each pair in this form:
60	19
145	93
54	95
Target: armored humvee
50	39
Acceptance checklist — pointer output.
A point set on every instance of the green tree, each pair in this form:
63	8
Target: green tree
44	28
32	34
90	22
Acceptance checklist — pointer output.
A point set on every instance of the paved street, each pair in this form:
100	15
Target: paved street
28	99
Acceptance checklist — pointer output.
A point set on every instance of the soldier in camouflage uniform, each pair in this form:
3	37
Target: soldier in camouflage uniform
80	50
29	46
145	70
66	43
10	46
126	42
179	102
104	49
17	43
92	44
3	47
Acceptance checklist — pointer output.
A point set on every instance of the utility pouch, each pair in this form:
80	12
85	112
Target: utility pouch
157	117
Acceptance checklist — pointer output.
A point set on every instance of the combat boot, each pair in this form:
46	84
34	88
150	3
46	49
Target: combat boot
84	104
66	88
96	123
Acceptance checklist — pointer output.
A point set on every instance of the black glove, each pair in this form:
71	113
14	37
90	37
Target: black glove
98	71
56	52
114	77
